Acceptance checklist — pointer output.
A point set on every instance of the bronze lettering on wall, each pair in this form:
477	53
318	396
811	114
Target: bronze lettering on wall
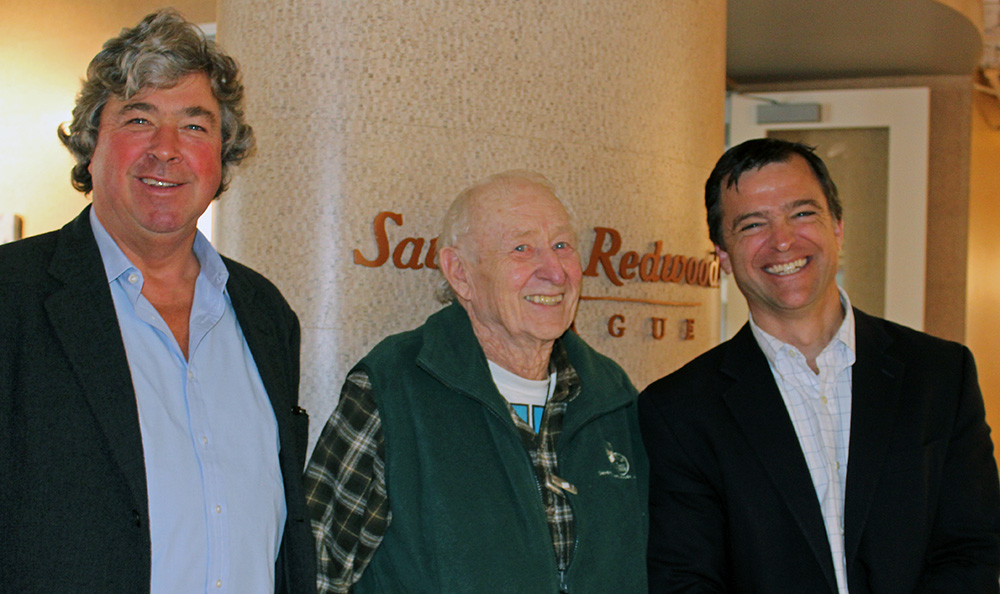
616	325
651	266
658	329
399	258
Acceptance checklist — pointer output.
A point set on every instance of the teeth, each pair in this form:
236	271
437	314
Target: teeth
544	299
789	268
158	183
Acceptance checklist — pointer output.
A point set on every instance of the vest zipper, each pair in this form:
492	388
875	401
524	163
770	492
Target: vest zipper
561	572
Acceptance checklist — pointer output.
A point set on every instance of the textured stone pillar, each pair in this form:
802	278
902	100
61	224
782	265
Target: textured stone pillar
362	107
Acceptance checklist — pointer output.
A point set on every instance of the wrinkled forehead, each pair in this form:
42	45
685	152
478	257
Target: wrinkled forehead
513	205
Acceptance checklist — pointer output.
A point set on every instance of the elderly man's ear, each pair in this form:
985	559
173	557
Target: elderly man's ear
455	272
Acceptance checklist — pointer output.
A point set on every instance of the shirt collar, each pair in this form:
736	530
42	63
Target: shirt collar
116	263
844	338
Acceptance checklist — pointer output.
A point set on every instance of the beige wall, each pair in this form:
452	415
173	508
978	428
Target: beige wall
45	47
362	107
983	312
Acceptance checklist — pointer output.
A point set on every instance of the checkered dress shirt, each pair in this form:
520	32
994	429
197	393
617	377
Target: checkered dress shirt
345	478
820	408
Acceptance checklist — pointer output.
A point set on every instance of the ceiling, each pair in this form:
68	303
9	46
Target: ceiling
791	40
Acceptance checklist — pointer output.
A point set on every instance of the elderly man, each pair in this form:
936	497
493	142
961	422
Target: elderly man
489	450
150	439
821	449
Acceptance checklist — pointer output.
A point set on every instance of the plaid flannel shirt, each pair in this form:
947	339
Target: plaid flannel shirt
345	479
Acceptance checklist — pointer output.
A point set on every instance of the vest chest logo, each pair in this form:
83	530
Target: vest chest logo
619	464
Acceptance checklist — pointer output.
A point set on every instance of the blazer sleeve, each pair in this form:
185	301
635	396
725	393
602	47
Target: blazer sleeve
686	550
964	550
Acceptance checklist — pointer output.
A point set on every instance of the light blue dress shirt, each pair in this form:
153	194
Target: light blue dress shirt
209	435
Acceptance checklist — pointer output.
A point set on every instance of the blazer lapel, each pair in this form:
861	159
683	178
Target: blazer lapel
875	397
757	405
83	317
260	333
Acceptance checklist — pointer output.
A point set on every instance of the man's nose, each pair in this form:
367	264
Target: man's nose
164	145
782	236
550	267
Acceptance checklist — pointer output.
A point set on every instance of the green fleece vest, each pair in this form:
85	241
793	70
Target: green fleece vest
467	514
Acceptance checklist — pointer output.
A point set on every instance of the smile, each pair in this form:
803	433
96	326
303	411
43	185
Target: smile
157	183
544	299
788	268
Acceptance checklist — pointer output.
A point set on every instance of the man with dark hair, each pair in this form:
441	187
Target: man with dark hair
821	449
150	438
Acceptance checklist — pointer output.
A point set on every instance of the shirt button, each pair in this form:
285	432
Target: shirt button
218	509
204	439
133	278
218	583
190	374
823	399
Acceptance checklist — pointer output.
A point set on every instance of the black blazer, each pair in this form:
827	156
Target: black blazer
732	505
73	503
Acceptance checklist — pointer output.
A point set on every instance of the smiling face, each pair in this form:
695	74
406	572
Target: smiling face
517	270
158	162
782	243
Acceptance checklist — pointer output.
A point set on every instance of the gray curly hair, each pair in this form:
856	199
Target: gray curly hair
156	53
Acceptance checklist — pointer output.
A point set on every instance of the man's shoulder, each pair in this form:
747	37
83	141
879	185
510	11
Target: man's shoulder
446	333
69	252
24	258
590	363
244	273
917	349
869	327
243	278
701	381
26	273
695	369
402	346
443	343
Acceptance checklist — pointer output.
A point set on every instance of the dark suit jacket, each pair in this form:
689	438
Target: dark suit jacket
732	505
73	504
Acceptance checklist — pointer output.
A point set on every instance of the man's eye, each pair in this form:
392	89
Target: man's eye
195	127
138	121
561	245
521	248
749	226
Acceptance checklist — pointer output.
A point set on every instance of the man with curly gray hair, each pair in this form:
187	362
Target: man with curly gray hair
150	434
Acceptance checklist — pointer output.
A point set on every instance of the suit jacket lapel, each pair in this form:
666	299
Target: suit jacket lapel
260	333
757	405
83	317
875	397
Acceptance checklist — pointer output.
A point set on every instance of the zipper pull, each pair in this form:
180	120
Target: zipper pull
563	588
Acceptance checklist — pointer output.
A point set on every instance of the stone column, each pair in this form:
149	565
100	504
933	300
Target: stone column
364	107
